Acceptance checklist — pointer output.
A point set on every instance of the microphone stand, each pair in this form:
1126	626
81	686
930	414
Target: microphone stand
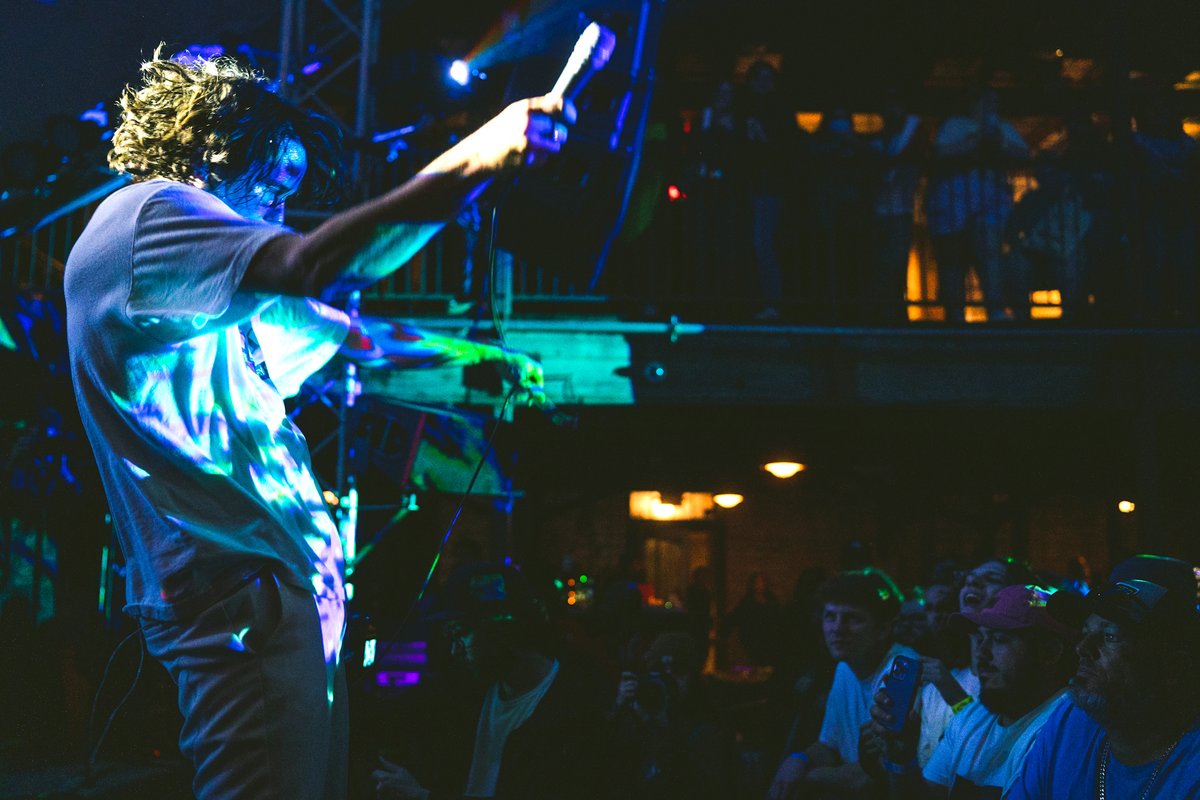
347	489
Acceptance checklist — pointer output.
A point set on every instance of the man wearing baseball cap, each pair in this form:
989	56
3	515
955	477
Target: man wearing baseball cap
1132	729
1023	657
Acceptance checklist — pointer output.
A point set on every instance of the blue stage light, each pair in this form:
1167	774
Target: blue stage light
460	72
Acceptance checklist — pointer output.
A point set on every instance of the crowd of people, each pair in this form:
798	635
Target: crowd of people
1104	215
1022	687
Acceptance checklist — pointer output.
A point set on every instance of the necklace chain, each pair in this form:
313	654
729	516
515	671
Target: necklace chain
1102	770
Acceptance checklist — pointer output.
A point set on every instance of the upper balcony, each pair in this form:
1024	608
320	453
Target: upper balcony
823	276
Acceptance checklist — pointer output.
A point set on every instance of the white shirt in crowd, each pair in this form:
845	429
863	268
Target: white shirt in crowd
936	712
977	748
497	720
848	705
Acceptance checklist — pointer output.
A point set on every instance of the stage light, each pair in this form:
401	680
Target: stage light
675	193
783	469
1126	506
728	500
460	72
331	497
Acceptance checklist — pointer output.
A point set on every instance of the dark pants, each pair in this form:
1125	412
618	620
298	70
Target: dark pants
264	714
886	279
765	210
978	245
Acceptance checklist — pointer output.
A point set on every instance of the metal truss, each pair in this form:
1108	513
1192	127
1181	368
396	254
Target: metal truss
327	51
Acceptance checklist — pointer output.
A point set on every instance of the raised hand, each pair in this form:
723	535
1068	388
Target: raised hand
527	132
394	782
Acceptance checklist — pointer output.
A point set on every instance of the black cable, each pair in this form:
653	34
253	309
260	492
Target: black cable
95	751
462	503
496	323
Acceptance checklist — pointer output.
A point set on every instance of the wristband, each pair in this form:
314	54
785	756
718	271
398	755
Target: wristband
900	769
961	704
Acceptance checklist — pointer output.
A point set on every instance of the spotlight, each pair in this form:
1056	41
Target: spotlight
1126	506
460	72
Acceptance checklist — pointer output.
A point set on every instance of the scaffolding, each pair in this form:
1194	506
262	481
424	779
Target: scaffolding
320	42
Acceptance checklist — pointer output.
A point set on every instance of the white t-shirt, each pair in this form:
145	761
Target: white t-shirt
497	720
936	712
180	376
848	705
978	748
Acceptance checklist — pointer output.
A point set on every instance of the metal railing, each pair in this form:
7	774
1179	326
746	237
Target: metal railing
697	258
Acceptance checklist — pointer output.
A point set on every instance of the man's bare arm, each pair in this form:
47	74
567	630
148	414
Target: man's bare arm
363	244
795	768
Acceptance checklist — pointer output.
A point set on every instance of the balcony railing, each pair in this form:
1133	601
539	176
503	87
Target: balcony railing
1100	253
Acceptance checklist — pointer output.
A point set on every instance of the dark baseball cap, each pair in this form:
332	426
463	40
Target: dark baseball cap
483	591
1149	591
1018	608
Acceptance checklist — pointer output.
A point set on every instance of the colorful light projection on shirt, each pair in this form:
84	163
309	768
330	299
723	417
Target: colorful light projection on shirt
210	405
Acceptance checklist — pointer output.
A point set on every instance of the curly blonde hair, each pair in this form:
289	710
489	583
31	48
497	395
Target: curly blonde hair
211	121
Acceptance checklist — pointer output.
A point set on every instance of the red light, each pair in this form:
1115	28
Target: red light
674	193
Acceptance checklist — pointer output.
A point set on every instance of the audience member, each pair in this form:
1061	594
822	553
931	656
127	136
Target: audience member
858	610
1046	233
758	622
896	172
768	141
1023	658
532	729
912	628
969	200
1087	156
698	606
667	740
1164	202
834	167
1132	729
949	679
808	668
983	583
717	238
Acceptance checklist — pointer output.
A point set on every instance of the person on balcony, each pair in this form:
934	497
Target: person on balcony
969	200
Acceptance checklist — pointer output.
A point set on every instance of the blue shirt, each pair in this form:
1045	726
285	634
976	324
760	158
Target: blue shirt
1064	762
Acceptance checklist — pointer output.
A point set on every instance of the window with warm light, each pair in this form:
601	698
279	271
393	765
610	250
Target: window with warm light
654	506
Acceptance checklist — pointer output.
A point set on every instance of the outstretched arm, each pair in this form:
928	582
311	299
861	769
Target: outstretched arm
363	244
